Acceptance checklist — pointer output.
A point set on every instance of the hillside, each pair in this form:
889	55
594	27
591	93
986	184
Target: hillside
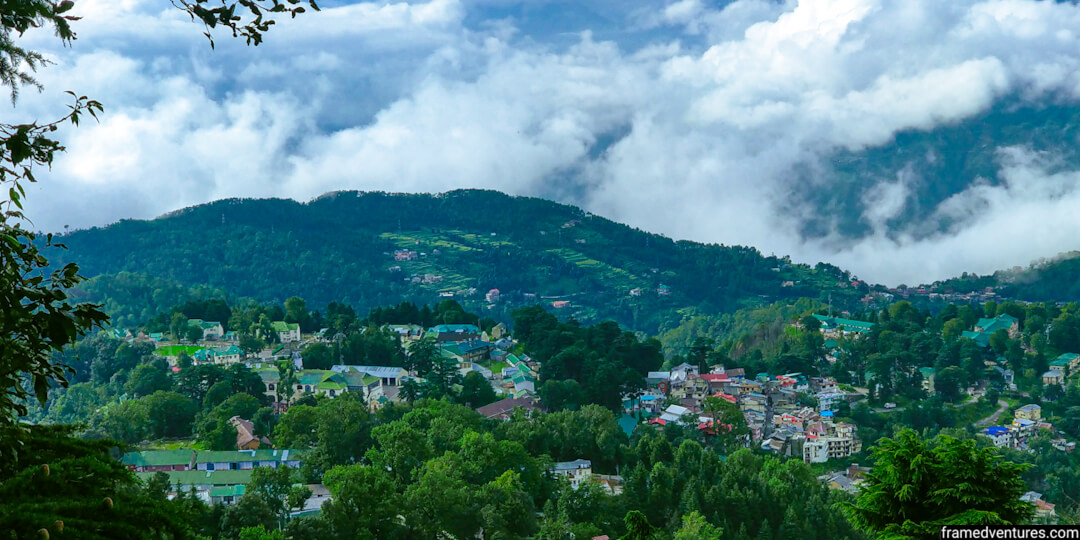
1053	280
341	247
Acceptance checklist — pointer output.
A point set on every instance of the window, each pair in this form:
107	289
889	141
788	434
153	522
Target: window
209	466
331	393
270	386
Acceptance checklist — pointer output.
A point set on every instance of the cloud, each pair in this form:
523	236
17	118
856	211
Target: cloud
702	132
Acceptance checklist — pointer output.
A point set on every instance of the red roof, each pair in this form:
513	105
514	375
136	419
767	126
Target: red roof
715	377
707	427
726	397
659	421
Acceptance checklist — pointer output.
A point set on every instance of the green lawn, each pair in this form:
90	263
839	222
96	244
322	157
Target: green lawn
175	444
173	350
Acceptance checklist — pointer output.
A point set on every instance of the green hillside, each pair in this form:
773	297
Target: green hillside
341	247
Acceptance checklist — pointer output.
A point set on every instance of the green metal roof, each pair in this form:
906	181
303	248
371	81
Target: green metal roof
228	491
213	478
850	325
158	458
282	326
240	456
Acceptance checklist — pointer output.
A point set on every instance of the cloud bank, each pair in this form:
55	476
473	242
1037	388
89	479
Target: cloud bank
684	118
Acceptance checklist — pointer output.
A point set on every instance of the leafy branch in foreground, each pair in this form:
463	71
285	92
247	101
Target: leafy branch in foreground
251	29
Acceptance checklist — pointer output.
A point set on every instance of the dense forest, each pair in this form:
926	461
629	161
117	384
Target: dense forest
341	248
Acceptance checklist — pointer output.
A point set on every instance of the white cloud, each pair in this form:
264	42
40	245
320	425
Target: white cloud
714	122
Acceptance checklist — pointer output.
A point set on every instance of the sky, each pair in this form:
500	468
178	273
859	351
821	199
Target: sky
686	118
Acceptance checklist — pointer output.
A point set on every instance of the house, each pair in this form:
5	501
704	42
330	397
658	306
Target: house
835	326
1066	362
492	296
321	381
927	379
1029	412
222	356
211	329
659	381
1044	511
576	471
1007	376
159	460
985	328
560	304
1053	376
504	408
1001	436
390	376
468	352
287	332
408	332
229	460
245	434
444	333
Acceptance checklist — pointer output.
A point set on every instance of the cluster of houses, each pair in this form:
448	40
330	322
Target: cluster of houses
1027	423
216	477
769	404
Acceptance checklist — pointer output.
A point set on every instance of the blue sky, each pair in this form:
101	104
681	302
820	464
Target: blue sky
683	117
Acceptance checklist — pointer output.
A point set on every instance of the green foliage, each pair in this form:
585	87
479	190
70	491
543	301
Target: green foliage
343	241
54	477
918	486
606	361
476	391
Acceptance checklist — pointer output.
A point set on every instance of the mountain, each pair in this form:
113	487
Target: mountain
1053	280
372	249
932	166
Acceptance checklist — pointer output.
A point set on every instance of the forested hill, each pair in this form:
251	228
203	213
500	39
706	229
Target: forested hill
1054	280
351	247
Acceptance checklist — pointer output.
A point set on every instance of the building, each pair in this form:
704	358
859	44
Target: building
504	408
835	326
245	434
927	374
1067	362
159	460
1029	412
287	332
985	328
1053	376
222	356
1001	436
576	471
1044	511
454	332
211	329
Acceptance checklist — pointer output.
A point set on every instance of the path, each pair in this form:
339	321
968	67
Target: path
1002	405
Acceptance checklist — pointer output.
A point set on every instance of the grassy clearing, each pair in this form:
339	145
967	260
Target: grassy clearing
173	350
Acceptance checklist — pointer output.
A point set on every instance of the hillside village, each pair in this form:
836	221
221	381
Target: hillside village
789	414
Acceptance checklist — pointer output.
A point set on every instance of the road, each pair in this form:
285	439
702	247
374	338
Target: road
1002	405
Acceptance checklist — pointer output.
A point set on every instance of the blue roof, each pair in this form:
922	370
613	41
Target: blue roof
826	413
647	398
995	430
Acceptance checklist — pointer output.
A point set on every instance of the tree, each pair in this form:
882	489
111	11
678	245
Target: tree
318	356
365	502
147	379
169	414
695	527
638	527
251	344
275	485
919	486
947	383
421	356
476	391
